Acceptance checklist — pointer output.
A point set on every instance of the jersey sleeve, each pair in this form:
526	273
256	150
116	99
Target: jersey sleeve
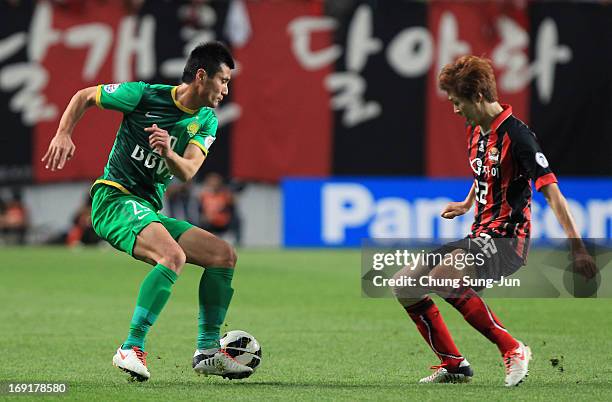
206	135
531	160
123	97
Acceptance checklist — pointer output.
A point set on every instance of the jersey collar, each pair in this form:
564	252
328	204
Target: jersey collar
507	112
180	105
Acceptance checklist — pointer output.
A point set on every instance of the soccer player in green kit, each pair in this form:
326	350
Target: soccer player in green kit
166	130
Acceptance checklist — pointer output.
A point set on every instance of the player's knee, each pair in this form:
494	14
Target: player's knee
234	257
442	283
406	287
174	258
225	256
411	301
400	280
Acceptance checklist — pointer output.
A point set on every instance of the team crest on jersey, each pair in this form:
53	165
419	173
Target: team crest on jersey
494	155
192	128
110	88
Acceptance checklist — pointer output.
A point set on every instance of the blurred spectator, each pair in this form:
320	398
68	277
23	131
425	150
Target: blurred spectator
181	201
218	210
14	218
82	232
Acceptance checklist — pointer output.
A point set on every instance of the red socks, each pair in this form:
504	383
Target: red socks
478	314
430	324
428	320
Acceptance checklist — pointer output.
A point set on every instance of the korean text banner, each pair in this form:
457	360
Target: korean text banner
322	88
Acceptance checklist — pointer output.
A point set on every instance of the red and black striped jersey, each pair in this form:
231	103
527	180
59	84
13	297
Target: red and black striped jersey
504	161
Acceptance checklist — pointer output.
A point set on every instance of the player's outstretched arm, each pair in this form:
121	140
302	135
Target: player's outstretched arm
61	147
454	209
583	262
184	167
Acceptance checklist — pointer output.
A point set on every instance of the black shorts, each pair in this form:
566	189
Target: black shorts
493	257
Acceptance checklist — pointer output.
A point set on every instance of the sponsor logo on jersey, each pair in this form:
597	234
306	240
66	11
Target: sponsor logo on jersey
193	127
541	159
209	141
110	88
476	165
479	168
152	160
152	116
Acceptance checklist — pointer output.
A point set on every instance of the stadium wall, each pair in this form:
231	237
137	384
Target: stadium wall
342	212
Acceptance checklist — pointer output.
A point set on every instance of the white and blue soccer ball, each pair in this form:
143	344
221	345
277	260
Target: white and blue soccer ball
243	347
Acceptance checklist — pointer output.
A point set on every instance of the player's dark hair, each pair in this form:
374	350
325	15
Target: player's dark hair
209	56
467	77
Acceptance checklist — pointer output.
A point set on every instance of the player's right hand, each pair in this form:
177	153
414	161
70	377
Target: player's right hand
454	209
60	150
584	264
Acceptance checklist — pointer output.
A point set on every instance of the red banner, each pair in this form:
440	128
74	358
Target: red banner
71	41
286	128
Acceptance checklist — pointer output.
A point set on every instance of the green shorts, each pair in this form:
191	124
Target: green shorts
118	217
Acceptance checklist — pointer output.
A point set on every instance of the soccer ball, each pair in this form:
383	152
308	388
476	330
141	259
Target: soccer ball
243	347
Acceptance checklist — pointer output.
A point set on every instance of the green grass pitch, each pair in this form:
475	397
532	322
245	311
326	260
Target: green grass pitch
64	312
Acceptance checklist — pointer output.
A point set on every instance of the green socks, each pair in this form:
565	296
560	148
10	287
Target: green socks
152	297
215	295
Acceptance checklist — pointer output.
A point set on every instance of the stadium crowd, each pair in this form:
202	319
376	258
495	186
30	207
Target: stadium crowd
211	204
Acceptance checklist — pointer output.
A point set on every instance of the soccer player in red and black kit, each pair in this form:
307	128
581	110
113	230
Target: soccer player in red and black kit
505	158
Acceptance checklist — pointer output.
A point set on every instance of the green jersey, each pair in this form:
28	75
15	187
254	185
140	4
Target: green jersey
133	167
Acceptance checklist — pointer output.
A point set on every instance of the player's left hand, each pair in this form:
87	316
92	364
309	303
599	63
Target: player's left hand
159	140
454	209
584	264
